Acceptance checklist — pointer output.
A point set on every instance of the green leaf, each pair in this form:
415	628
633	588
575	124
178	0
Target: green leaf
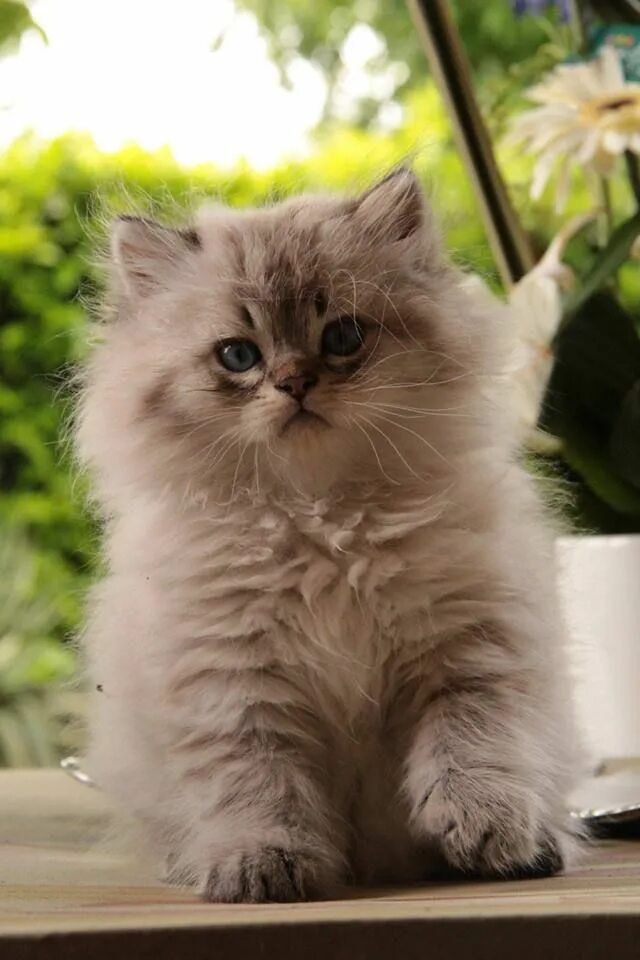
15	20
593	462
625	440
597	363
608	261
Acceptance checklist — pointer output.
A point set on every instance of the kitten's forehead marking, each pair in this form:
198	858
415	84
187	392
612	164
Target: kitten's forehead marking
280	274
290	322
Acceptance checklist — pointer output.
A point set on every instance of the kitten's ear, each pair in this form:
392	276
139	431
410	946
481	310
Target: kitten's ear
144	252
393	209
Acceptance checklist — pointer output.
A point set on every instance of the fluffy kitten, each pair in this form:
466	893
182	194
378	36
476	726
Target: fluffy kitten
327	646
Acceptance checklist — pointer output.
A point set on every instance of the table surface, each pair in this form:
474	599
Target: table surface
65	871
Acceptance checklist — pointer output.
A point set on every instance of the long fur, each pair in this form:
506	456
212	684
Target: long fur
323	651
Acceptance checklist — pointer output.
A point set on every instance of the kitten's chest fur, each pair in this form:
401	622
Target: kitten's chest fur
334	587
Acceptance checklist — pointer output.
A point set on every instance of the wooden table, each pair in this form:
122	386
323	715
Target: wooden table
67	892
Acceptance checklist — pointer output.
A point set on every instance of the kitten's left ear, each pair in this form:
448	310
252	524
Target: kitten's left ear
145	252
393	209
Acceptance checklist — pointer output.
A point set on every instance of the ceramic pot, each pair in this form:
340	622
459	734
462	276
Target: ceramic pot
599	584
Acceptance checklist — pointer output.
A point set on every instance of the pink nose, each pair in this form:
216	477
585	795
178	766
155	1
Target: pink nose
297	386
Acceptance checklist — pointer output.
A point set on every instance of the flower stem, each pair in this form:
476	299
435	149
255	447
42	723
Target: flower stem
607	263
633	169
605	221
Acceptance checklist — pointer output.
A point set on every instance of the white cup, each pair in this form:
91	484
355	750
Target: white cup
599	585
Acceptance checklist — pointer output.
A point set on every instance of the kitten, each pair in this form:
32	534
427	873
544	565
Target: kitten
327	646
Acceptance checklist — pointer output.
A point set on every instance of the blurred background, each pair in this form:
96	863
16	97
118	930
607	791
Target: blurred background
244	100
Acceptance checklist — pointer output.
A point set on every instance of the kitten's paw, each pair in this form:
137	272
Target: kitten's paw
270	874
484	830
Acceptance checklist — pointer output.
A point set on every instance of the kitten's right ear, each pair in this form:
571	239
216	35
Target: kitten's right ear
144	252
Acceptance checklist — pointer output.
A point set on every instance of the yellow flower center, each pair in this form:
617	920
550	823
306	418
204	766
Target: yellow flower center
618	110
616	104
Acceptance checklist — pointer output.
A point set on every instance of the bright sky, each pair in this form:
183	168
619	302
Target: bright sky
143	71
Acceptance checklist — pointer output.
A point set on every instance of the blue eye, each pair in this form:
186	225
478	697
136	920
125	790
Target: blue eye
238	355
342	337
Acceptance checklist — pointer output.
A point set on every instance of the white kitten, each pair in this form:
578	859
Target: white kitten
327	646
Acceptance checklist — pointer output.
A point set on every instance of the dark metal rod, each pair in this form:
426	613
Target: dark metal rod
450	67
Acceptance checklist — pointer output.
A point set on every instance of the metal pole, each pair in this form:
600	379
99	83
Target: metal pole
452	72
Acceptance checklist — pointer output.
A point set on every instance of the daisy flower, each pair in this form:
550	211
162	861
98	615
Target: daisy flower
588	113
530	320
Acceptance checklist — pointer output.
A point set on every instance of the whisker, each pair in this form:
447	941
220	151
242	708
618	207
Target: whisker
233	443
237	471
374	347
365	373
367	378
201	455
391	356
274	454
417	436
385	294
221	454
215	418
361	313
421	383
415	413
394	447
375	452
235	406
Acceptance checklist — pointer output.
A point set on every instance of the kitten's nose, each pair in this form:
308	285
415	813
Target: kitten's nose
297	386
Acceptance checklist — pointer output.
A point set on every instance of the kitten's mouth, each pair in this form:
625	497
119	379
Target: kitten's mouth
303	418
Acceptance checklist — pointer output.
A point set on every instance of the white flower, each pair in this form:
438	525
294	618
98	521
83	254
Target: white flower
588	114
531	317
535	311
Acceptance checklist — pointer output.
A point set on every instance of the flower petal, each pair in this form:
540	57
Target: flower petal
614	141
610	66
563	185
541	174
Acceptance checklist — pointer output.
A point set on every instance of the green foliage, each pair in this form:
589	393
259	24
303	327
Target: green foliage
494	40
624	445
15	20
610	259
592	398
592	405
34	704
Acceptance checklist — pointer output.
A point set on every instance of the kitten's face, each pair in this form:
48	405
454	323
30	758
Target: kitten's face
295	340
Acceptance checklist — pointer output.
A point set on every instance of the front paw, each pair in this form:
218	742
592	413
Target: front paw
266	875
486	829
